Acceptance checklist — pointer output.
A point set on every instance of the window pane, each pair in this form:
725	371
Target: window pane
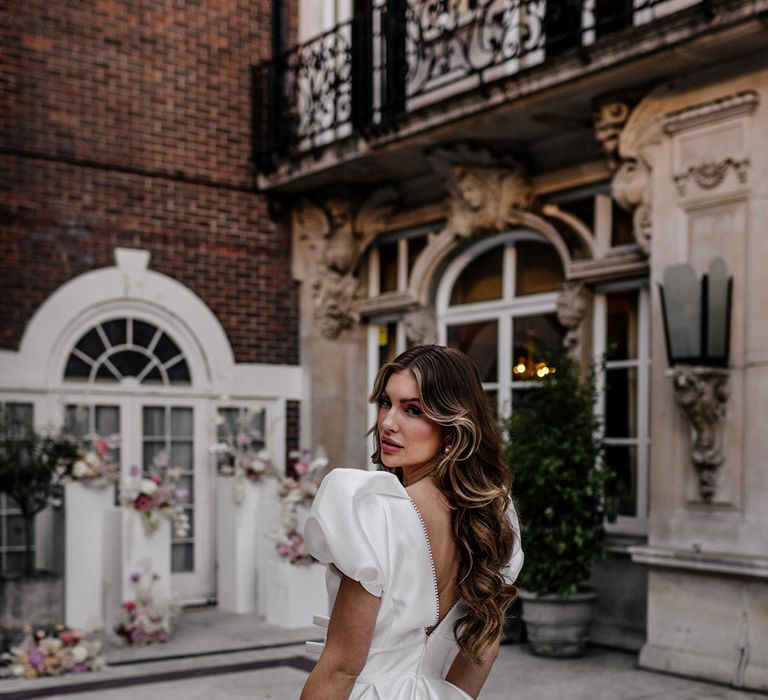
181	455
129	362
150	450
621	402
179	373
115	331
181	422
480	342
622	491
154	376
154	421
14	562
143	333
415	246
17	418
621	343
387	342
90	344
622	226
388	267
583	209
77	420
107	420
535	340
538	268
182	557
106	374
166	349
14	531
481	280
77	368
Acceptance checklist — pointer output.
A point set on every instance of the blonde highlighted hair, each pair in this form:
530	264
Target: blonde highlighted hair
472	474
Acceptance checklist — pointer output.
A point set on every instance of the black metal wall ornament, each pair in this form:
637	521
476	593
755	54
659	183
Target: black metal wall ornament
697	319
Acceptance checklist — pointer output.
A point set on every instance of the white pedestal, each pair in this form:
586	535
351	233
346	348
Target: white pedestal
85	513
296	594
243	543
141	551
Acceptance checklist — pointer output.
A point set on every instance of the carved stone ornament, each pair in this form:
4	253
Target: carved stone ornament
710	174
485	192
572	306
628	138
702	392
421	326
609	119
331	236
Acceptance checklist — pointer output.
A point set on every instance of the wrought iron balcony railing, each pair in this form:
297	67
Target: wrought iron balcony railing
398	56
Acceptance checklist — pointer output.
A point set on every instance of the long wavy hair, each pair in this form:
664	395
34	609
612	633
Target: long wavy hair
471	472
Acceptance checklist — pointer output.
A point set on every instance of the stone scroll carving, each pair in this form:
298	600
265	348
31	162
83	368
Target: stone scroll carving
627	137
331	235
702	392
573	303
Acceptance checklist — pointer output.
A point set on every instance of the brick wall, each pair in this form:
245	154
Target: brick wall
128	123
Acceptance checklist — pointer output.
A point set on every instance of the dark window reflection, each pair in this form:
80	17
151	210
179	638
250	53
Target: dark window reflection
480	342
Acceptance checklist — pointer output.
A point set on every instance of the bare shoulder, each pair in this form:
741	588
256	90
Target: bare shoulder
430	501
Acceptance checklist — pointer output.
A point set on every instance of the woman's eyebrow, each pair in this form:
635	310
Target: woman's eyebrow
409	400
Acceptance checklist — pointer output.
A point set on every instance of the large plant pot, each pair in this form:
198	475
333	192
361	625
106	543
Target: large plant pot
296	594
558	626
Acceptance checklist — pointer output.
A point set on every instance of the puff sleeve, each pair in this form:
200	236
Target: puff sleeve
347	526
512	569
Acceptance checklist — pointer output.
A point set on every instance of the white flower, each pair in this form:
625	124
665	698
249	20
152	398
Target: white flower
219	448
318	463
264	456
79	653
80	469
148	487
92	459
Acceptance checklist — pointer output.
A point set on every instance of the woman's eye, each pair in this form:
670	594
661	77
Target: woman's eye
384	403
413	410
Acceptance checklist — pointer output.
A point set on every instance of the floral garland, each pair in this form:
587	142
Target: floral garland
157	494
295	492
96	467
52	653
146	620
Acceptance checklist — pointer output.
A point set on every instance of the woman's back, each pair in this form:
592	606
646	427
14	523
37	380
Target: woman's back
399	544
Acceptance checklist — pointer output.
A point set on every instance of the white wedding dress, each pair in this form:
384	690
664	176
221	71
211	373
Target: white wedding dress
365	525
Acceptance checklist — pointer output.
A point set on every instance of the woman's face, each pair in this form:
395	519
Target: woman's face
407	437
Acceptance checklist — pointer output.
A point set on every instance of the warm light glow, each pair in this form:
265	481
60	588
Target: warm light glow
519	368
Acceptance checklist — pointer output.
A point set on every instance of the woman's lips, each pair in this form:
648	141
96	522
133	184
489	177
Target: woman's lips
389	446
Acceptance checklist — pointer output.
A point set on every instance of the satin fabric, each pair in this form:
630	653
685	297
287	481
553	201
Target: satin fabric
365	525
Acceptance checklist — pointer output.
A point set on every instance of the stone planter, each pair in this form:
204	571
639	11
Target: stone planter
558	626
296	594
140	550
85	509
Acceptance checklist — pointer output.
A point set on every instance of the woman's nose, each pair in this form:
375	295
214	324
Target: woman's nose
388	421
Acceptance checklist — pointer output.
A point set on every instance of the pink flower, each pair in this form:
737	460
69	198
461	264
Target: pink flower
156	479
129	605
68	638
301	468
143	502
135	577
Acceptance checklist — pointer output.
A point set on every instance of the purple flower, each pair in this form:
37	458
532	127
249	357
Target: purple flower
135	577
134	470
79	668
35	658
137	636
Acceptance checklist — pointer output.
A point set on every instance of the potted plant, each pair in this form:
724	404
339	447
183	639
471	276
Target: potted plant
554	447
32	468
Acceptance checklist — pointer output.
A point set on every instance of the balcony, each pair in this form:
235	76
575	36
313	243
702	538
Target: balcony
364	100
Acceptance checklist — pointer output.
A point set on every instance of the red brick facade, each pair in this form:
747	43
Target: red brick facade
128	123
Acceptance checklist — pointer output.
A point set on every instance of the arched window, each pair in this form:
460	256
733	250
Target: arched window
127	347
497	302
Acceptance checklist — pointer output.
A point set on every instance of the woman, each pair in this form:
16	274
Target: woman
422	556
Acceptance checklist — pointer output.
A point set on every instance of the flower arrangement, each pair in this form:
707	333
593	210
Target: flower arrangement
239	452
294	492
95	466
53	653
146	620
157	495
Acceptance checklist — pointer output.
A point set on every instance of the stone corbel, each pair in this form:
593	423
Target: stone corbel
330	236
573	303
627	137
702	392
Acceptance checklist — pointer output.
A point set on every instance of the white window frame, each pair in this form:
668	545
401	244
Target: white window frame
630	525
501	310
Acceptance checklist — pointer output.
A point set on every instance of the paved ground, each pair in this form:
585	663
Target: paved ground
217	656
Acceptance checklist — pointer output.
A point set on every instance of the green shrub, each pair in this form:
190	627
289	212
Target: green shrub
555	451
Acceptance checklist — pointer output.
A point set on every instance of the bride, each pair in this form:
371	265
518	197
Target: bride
422	555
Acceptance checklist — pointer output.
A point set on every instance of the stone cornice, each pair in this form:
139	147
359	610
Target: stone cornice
744	102
710	562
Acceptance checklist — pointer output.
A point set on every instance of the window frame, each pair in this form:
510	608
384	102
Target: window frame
626	524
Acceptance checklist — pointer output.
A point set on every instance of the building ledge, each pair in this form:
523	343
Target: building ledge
710	562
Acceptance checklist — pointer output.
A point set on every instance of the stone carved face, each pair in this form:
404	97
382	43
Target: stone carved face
473	190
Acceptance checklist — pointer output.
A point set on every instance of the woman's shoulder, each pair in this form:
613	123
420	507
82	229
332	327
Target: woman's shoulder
359	483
